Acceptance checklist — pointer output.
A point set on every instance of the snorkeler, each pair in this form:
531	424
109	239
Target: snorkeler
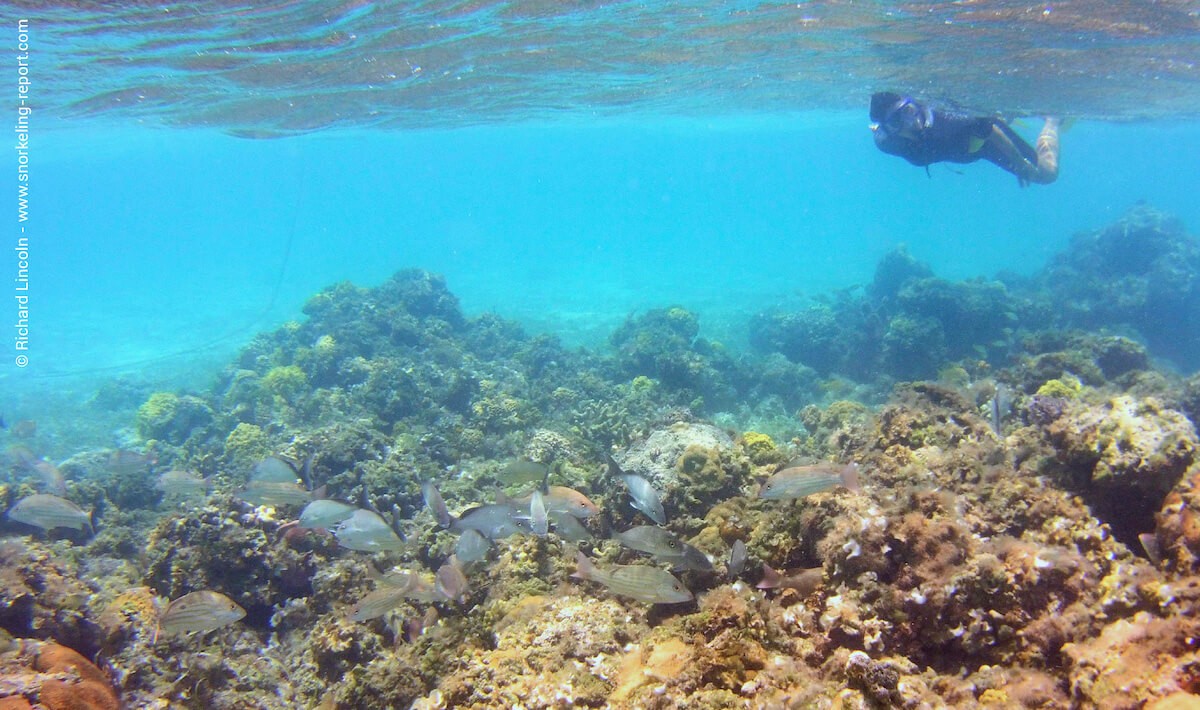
923	134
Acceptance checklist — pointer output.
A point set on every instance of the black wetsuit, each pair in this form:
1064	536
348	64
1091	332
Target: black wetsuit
922	135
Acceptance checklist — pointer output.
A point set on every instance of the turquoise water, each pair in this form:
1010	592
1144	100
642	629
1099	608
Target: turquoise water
721	161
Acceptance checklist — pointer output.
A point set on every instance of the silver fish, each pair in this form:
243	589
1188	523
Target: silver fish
275	470
569	528
367	531
450	580
275	493
437	506
324	513
48	512
182	483
645	584
737	560
126	463
472	546
802	481
652	540
538	521
645	497
199	611
518	471
494	521
664	546
52	477
804	581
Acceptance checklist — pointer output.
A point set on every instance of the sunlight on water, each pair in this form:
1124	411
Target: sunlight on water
302	66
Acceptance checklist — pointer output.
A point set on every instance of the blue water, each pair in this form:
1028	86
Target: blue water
160	250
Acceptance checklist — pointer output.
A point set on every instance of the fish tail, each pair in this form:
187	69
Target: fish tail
770	578
91	523
585	569
849	476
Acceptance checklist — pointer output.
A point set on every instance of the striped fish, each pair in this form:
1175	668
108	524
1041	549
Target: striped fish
274	493
378	603
204	610
182	483
645	584
802	481
48	512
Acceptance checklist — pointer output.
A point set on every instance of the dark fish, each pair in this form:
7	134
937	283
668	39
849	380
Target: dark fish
494	521
199	611
804	581
645	497
645	584
802	481
737	559
569	528
694	559
1153	549
48	512
437	506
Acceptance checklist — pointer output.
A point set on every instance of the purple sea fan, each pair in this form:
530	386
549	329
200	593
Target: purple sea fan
1044	409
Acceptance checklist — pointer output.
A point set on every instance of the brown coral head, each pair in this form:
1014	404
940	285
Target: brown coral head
90	692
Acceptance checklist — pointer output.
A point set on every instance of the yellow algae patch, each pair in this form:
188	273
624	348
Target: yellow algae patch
521	612
664	661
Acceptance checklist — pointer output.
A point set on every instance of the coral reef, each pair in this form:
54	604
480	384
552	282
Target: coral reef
990	556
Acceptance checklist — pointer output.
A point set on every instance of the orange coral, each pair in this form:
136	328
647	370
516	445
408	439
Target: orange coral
91	692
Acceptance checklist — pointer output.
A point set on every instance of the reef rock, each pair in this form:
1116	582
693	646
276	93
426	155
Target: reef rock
1126	442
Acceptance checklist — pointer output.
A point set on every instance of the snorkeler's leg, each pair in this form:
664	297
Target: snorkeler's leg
1008	150
1003	148
1047	151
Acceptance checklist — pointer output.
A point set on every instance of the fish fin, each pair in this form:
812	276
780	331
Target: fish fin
91	522
849	476
613	468
503	498
770	578
585	569
307	472
319	493
975	144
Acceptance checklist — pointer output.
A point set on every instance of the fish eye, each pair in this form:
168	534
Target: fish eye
673	544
